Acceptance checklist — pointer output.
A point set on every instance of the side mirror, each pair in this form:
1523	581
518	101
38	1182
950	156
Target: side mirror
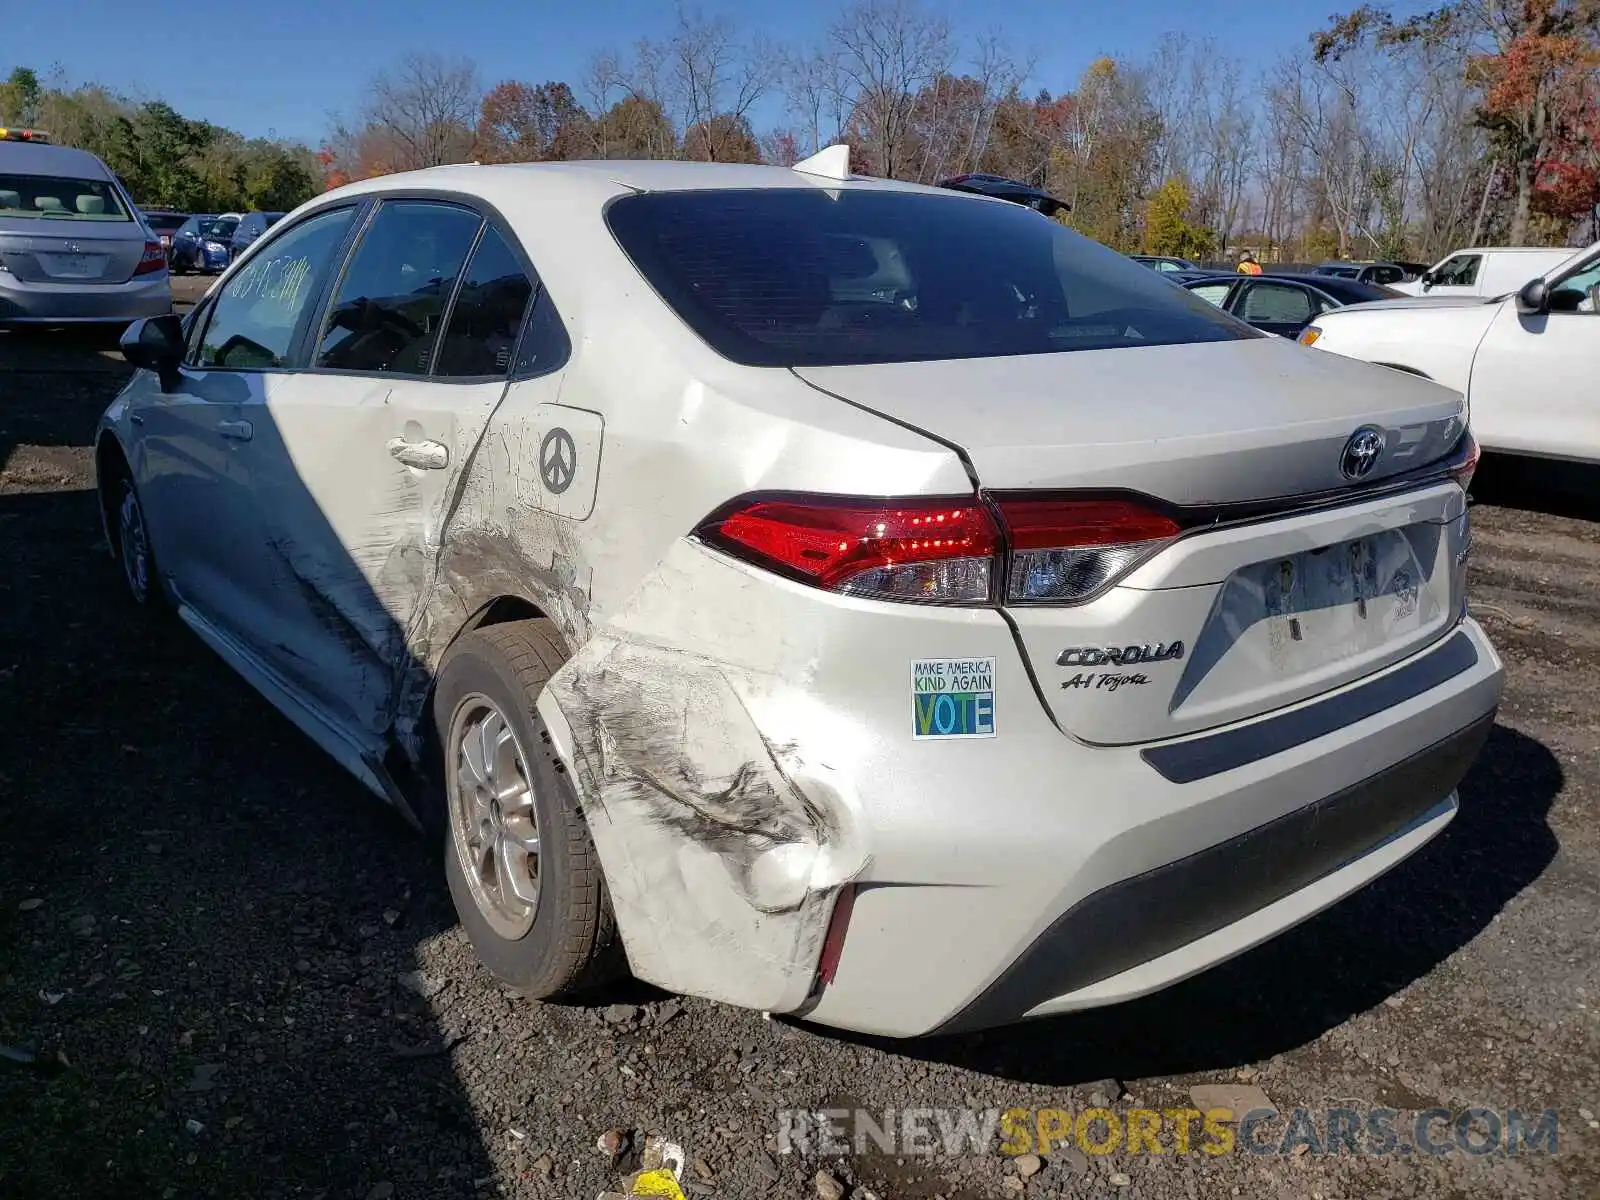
1533	298
156	344
1426	279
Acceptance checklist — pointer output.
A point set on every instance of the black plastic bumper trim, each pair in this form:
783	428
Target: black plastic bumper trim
1202	757
1135	920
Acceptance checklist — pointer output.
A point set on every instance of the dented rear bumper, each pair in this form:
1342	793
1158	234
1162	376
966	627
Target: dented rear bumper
738	771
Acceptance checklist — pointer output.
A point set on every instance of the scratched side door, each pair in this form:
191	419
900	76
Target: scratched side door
360	472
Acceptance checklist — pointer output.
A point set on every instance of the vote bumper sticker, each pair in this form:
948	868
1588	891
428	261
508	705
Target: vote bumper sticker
952	698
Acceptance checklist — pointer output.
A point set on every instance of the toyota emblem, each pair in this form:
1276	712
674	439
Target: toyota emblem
1361	452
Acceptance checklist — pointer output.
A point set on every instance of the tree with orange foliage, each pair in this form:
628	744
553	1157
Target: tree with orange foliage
1534	63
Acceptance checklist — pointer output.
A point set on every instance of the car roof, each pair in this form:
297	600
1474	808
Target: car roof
600	178
1330	284
40	158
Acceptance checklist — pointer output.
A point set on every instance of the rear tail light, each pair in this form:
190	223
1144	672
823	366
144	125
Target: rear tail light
1067	550
1464	463
939	551
153	259
949	550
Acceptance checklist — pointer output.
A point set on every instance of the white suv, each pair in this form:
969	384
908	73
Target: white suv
836	596
1527	362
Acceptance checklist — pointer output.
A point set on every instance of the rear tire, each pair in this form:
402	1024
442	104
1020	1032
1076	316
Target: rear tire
130	543
521	865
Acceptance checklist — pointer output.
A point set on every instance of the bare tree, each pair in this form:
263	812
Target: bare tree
426	107
816	94
889	50
716	79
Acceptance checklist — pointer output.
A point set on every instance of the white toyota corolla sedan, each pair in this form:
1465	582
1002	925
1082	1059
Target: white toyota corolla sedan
830	595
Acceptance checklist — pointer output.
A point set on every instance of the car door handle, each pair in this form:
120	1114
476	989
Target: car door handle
239	431
424	455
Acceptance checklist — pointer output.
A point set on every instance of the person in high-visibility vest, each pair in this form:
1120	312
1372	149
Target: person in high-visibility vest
1248	264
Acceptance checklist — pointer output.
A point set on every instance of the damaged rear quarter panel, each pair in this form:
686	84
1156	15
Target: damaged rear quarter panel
724	834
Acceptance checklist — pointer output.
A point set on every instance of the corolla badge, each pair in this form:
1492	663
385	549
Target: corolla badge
1361	452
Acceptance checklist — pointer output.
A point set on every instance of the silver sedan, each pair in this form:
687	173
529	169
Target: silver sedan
72	246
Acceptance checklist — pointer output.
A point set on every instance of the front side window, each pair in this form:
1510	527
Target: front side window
808	276
1461	270
52	197
391	301
1578	292
253	323
487	316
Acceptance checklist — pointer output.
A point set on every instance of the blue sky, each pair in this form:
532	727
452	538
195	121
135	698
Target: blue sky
283	66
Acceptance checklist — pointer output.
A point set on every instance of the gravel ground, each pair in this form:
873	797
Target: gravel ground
236	974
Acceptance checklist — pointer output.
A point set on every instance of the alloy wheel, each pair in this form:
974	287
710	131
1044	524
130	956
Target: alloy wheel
135	543
494	825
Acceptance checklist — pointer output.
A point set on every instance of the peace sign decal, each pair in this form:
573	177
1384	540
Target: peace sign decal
558	460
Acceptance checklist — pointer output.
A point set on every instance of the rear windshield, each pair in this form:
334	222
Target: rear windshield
60	198
165	222
222	227
811	277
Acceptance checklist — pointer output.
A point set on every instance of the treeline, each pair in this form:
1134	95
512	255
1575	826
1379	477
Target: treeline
1384	137
165	159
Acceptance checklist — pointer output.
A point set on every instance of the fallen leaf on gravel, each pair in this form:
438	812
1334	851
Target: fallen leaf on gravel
1236	1099
31	903
828	1188
1118	1179
194	1127
204	1078
52	997
429	1049
612	1142
419	984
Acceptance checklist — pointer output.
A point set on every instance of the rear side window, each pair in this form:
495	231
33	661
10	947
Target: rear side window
1212	293
1277	303
50	197
253	323
391	301
806	276
494	295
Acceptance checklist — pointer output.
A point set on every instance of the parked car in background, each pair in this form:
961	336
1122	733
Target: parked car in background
201	246
1165	263
164	224
1384	273
1486	271
1018	636
1283	304
1527	362
1002	188
250	227
72	246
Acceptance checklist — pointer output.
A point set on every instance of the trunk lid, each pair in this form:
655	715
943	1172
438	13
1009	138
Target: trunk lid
1232	619
1208	423
64	250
